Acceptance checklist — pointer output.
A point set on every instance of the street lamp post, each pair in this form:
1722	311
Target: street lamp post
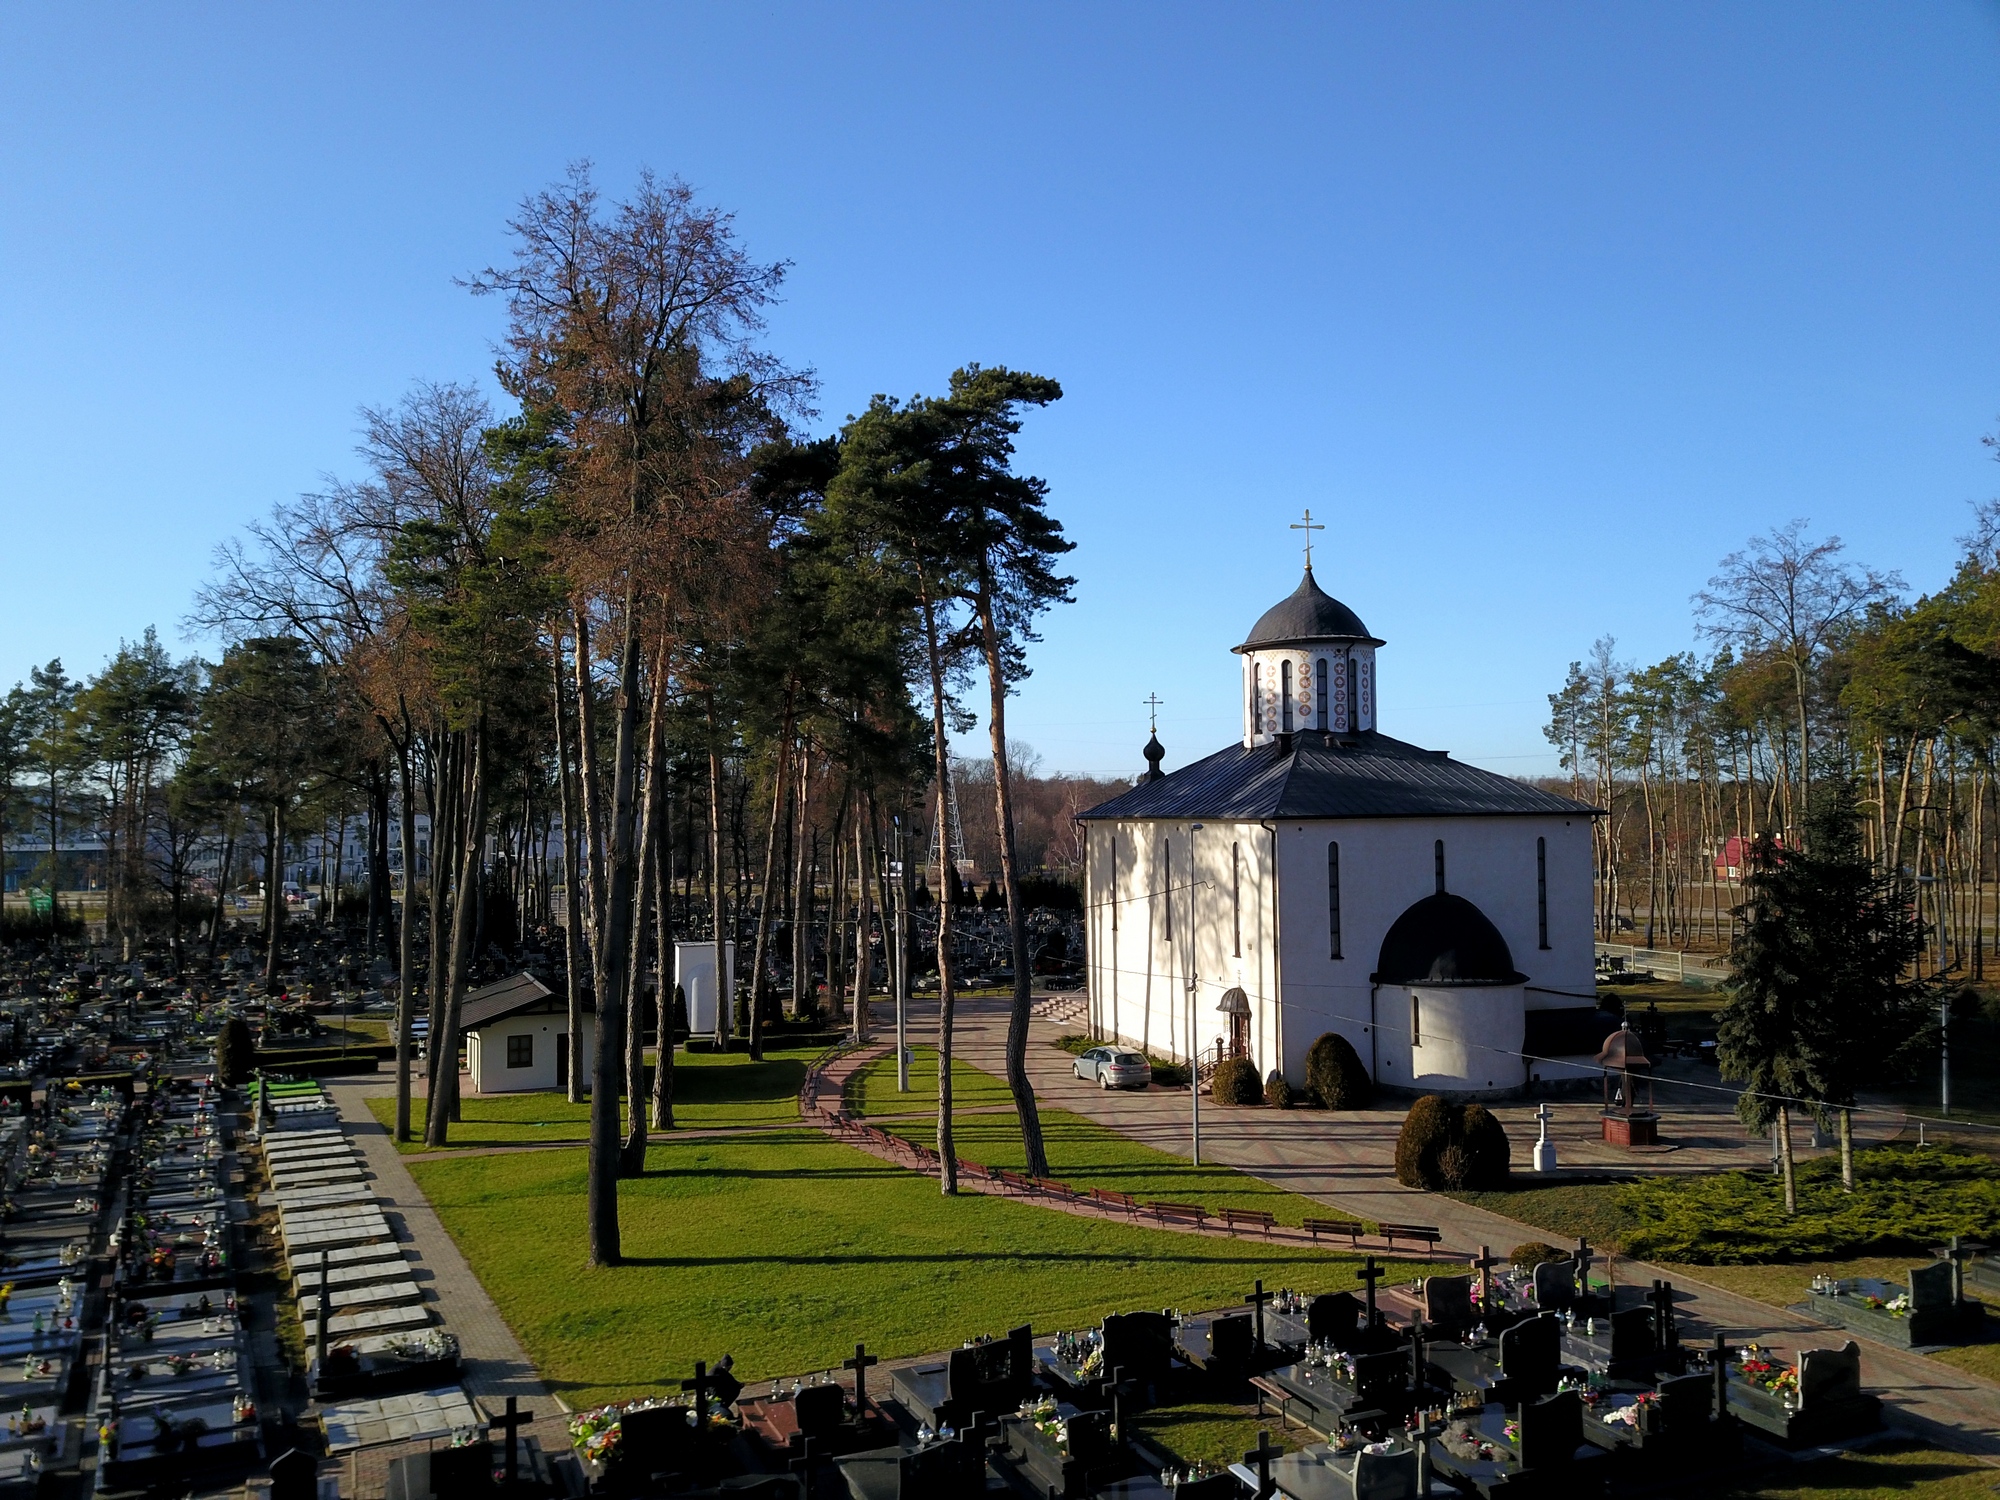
900	967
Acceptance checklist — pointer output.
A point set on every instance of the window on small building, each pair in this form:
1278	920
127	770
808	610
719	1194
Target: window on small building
1166	882
1285	695
1542	889
1256	697
1353	695
1437	854
1319	696
1333	896
1236	899
1416	1022
520	1051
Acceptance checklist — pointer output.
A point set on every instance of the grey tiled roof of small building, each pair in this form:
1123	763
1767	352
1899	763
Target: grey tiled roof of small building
1334	776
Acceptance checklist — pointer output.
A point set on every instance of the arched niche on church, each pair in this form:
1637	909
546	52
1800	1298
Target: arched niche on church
1466	1039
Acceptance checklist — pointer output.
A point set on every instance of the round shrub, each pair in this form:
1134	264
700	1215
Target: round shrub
1235	1082
233	1049
1453	1146
1427	1130
1486	1149
1278	1091
1534	1253
1334	1074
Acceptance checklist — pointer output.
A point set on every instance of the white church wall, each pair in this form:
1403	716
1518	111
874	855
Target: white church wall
1388	864
1459	1040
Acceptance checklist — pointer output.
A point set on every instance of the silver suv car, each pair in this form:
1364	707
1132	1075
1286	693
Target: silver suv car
1114	1068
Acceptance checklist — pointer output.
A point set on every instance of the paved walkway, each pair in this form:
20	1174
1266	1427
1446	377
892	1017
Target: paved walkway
1346	1161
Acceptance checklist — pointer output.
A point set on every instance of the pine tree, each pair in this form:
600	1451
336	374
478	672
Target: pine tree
1819	973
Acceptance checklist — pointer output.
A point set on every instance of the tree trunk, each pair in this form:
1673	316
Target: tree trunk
941	770
864	953
1847	1147
1017	916
801	892
632	1162
406	938
725	992
447	765
274	896
663	1064
1785	1161
471	844
573	889
758	987
612	941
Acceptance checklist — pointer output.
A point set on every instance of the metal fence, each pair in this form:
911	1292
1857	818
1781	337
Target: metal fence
1663	963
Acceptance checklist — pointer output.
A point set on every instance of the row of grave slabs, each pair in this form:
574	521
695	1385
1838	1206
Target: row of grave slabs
382	1370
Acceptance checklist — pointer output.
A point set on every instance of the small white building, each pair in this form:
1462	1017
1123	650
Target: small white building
1320	876
517	1037
694	972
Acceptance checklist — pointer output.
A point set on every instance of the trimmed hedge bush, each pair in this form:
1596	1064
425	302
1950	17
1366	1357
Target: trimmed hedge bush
1235	1082
1451	1146
1334	1075
1278	1091
1534	1253
1905	1200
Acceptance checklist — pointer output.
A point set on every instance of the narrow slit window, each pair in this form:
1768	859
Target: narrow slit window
1353	695
1319	694
1437	854
1333	896
1285	695
1416	1022
1167	881
1256	697
1114	880
1542	889
1236	899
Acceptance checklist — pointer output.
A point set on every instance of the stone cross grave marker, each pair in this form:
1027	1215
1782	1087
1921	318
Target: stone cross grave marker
1257	1299
1261	1456
513	1419
1371	1273
859	1365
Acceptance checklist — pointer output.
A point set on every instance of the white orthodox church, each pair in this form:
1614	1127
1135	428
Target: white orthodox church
1321	876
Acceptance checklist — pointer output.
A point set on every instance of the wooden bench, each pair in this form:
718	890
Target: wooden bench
1017	1182
1318	1227
1421	1232
1060	1189
1111	1199
1255	1218
1193	1212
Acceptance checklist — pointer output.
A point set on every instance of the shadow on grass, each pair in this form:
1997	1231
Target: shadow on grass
936	1257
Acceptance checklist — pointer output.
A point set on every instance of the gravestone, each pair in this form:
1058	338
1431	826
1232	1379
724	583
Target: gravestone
1530	1360
1683	1407
294	1476
818	1410
1634	1351
1551	1431
1555	1285
1334	1318
655	1440
1829	1375
461	1471
1142	1343
1231	1342
1448	1301
1931	1290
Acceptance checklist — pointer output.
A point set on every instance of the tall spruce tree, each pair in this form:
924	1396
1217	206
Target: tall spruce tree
1820	979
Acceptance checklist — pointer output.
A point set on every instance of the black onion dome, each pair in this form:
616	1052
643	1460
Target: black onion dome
1445	940
1308	614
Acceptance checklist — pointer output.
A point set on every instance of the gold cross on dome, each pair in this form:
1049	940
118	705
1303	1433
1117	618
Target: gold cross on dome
1152	702
1308	526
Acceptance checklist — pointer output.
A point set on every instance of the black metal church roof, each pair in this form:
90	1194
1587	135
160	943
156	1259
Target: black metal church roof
1323	775
1308	613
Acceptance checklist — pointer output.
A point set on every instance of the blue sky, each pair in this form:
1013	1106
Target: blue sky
1542	308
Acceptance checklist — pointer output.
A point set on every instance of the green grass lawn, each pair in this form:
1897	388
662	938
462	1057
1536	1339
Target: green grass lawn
1586	1210
1892	1471
1217	1433
785	1248
712	1091
872	1090
1088	1155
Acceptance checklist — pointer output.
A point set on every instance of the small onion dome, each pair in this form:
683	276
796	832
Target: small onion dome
1309	613
1624	1049
1234	1002
1445	940
1154	752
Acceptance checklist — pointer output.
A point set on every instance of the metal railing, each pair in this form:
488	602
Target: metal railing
1664	963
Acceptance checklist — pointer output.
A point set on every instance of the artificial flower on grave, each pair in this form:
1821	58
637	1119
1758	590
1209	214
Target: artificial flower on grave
1899	1305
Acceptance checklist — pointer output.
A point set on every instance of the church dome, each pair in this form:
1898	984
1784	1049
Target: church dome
1445	940
1309	613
